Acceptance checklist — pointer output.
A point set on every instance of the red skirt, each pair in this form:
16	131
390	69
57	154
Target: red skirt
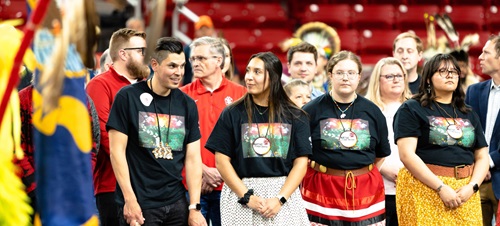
339	200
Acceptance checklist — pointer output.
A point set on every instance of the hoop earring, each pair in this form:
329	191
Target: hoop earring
429	88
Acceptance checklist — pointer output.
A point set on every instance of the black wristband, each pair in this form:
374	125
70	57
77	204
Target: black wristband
246	197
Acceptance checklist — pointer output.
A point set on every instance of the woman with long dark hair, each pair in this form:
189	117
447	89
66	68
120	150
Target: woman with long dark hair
442	146
261	144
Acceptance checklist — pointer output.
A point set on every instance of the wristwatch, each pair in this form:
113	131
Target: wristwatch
196	206
282	199
475	187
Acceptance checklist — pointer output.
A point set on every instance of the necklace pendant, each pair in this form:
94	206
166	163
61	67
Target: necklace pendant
156	153
168	152
342	115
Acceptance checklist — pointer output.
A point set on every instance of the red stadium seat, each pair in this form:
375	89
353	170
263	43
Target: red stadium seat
349	40
268	15
338	16
466	17
270	39
484	3
428	2
377	41
13	10
373	16
372	59
200	8
230	15
411	17
240	39
493	18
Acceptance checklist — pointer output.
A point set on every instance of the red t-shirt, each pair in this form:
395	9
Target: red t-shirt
102	89
210	106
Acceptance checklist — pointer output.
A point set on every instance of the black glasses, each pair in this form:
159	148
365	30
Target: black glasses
143	49
443	72
200	58
391	77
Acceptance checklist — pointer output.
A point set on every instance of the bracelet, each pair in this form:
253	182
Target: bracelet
246	197
439	188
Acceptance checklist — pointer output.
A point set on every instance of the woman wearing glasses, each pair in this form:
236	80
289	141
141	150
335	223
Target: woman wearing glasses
343	186
261	143
442	146
388	89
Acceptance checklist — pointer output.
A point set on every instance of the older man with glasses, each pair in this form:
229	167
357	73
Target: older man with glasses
212	92
127	48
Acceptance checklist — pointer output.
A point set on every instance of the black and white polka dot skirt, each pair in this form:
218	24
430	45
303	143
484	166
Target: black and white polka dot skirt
292	212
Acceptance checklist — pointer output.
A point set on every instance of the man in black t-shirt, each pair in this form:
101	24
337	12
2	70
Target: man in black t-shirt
408	48
153	132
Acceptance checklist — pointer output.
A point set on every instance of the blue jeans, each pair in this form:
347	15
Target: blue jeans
210	207
170	215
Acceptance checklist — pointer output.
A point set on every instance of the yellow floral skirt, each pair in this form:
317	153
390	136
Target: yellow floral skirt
417	204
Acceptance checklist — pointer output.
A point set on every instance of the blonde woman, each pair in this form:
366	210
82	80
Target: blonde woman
388	89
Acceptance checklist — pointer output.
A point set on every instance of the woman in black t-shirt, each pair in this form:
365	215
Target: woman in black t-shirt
349	137
442	146
261	143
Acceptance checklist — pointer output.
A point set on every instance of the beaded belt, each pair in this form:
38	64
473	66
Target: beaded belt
340	172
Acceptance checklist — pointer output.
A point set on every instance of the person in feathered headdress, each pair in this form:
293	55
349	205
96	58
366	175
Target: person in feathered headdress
14	207
450	44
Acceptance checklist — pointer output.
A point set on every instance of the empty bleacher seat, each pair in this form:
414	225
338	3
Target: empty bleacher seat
373	16
377	41
227	15
268	15
349	40
270	39
338	16
240	39
13	9
466	17
411	17
493	18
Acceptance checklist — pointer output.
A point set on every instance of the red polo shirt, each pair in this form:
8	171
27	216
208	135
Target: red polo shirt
102	89
210	106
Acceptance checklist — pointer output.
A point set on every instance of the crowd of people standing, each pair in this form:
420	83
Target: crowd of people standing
416	150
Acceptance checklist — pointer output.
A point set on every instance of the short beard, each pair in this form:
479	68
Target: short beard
137	70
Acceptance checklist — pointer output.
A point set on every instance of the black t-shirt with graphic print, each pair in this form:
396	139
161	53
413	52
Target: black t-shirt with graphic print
232	136
156	181
434	145
363	118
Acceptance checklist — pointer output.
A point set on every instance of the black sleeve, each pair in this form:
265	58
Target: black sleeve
222	139
193	120
117	119
406	123
302	137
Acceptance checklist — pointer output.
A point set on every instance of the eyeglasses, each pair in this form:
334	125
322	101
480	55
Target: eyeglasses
351	75
443	72
391	77
200	58
143	49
